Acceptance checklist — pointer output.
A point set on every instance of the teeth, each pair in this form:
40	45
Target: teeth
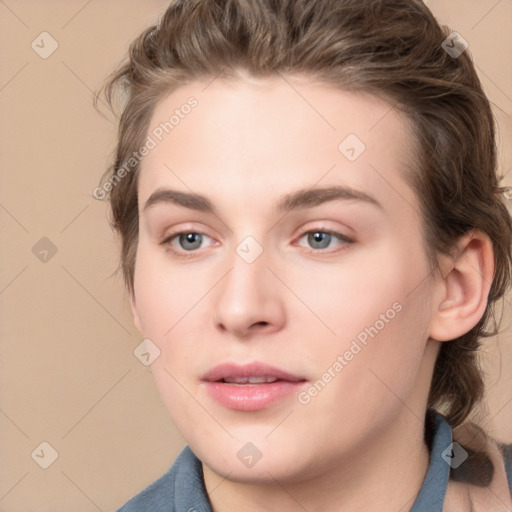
250	380
261	380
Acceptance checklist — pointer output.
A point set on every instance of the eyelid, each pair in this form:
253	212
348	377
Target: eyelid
173	234
178	253
341	237
343	231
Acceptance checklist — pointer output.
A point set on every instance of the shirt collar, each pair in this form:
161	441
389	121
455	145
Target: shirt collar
433	490
190	492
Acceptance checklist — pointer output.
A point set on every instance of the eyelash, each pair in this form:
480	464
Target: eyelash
345	240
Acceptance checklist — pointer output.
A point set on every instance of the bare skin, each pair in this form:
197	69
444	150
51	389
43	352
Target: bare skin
357	443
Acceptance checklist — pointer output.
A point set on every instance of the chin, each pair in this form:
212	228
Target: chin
255	462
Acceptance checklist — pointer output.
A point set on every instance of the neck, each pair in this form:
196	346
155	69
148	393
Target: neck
385	474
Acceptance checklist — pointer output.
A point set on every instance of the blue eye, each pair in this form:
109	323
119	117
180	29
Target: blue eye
319	239
190	241
187	241
183	242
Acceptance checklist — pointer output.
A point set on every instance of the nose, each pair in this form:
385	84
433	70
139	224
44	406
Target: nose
249	299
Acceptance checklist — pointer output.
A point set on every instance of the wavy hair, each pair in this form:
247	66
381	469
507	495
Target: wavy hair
392	49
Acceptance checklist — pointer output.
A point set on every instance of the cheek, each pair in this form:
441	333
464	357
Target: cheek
349	297
377	314
372	371
164	296
168	305
172	308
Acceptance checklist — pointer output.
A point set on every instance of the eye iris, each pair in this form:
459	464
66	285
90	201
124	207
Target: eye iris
320	238
190	238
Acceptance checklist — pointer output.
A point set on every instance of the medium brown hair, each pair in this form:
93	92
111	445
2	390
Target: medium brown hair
388	48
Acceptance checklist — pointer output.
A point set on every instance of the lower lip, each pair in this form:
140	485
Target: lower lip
251	397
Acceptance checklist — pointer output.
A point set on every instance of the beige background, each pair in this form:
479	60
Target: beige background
68	373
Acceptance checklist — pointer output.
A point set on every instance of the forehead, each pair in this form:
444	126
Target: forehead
253	139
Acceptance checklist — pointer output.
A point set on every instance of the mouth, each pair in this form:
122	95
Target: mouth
249	380
250	387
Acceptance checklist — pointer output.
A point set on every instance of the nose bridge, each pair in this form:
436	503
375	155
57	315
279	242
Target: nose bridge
245	281
247	297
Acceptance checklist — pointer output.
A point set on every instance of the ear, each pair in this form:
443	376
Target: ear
135	312
463	287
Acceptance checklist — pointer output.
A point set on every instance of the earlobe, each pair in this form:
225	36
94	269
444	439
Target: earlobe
464	288
135	312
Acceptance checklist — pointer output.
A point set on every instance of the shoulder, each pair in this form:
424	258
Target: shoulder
183	481
155	497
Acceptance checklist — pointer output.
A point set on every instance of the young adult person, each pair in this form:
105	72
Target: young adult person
314	241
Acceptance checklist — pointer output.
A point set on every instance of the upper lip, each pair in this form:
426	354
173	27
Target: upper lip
257	369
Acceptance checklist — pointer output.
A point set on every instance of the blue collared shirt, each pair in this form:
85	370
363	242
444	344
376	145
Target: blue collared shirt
182	488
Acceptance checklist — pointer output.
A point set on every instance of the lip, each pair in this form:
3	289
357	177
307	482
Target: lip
247	396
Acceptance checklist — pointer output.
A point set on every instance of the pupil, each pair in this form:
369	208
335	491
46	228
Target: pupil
194	239
320	240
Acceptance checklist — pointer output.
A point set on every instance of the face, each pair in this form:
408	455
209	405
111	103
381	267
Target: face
281	273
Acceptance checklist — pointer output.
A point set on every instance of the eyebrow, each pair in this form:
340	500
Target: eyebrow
304	198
